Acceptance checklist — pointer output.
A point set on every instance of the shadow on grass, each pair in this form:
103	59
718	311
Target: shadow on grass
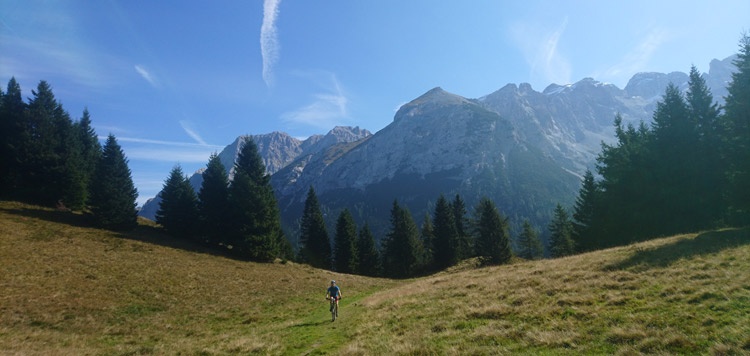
704	244
143	233
61	217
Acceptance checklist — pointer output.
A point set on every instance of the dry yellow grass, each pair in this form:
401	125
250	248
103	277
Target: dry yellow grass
73	290
68	289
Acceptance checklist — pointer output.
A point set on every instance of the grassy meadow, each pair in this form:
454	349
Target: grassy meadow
66	289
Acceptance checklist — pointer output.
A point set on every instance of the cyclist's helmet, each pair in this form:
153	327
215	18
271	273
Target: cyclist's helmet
333	282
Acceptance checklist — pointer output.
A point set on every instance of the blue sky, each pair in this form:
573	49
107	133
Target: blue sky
177	80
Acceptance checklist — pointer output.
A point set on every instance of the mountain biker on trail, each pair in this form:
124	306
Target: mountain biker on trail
333	292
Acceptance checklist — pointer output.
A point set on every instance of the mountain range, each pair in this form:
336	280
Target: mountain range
526	150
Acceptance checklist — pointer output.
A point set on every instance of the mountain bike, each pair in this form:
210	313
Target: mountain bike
334	309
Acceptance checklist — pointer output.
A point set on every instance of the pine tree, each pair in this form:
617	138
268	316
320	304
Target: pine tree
446	237
178	210
369	259
560	242
493	238
401	248
12	109
464	246
627	186
427	234
213	202
90	150
736	136
255	228
707	164
529	246
49	152
315	246
113	195
345	243
675	140
584	230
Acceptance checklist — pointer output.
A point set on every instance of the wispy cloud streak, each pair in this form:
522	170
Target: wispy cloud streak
146	75
269	44
191	132
540	47
327	109
638	57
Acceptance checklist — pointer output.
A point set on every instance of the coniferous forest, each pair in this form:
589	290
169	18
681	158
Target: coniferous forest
689	170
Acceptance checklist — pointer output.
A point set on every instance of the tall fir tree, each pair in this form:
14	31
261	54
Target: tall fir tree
529	246
493	238
255	217
736	137
213	202
12	108
401	248
585	234
464	242
315	246
674	153
446	237
707	164
368	256
627	186
560	241
427	234
113	195
178	210
91	149
345	258
49	152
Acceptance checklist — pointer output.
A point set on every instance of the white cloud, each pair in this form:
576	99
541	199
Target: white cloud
327	109
146	75
191	132
269	44
163	143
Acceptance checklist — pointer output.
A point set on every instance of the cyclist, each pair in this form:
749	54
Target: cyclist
333	292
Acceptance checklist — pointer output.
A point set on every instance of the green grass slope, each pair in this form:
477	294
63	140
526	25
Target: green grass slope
69	289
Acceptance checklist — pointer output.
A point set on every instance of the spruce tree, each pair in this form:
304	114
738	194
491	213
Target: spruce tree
464	243
736	136
113	195
255	228
674	153
446	236
560	242
49	152
707	163
90	149
345	244
178	210
368	256
12	109
427	233
213	202
493	238
584	229
315	246
529	246
401	248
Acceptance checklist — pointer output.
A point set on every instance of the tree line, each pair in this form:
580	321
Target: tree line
445	237
688	171
46	158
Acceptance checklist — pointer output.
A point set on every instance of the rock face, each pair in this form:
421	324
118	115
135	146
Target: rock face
277	149
526	150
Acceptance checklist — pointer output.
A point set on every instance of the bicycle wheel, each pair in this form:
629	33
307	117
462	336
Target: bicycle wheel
334	311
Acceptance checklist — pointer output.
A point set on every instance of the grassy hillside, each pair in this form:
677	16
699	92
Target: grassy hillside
68	289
